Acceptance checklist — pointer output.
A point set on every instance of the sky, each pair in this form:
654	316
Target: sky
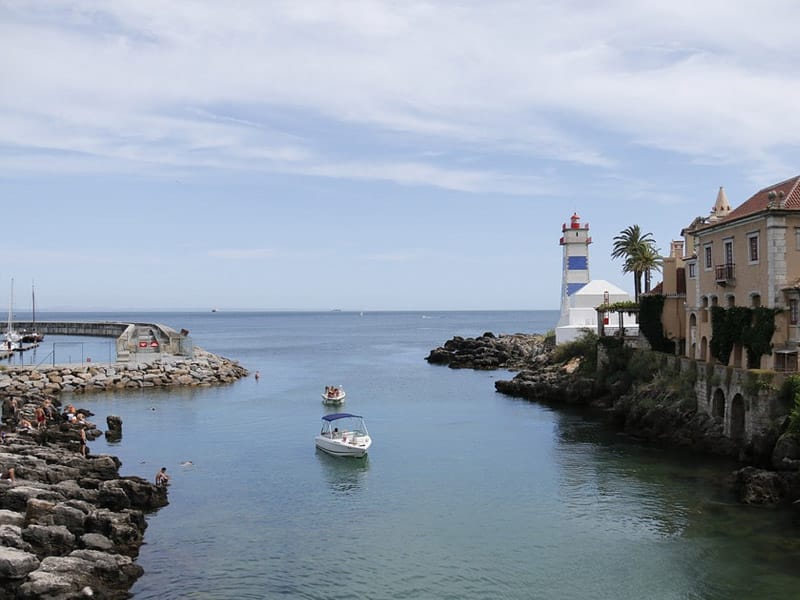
371	154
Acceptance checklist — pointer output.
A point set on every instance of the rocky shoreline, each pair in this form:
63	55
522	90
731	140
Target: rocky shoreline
770	474
70	525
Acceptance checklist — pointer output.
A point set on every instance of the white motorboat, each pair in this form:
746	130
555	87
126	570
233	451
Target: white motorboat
343	434
333	395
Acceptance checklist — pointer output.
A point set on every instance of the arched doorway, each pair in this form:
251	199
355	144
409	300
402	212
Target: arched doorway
718	405
737	418
693	335
703	348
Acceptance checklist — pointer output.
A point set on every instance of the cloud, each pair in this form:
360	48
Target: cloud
356	89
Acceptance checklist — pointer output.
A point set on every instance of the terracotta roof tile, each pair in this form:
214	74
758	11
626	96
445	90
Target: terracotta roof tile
760	200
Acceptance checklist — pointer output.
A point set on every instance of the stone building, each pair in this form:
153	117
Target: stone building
748	256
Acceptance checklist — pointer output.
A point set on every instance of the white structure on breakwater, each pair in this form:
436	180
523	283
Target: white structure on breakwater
580	295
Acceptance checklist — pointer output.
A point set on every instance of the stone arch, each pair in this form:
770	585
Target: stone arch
703	348
737	418
693	335
718	404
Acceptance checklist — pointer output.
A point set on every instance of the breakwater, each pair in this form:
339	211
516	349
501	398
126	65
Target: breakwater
202	369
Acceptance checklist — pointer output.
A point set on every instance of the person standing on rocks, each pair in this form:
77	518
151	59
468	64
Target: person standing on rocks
40	417
83	441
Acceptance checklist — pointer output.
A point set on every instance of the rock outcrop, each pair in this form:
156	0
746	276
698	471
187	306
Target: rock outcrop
514	352
70	526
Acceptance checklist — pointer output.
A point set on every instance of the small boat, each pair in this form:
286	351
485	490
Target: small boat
333	395
343	434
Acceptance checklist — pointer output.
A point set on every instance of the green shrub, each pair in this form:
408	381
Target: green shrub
584	347
794	415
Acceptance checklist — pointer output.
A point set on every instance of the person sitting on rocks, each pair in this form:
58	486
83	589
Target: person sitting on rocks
9	474
25	425
49	410
80	419
162	479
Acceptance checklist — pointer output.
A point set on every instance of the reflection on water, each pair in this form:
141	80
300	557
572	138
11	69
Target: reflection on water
345	474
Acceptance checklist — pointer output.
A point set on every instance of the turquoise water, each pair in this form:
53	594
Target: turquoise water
465	494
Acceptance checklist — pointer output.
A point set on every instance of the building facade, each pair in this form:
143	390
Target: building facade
748	256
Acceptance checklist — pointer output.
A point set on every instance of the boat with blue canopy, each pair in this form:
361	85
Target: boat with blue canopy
343	434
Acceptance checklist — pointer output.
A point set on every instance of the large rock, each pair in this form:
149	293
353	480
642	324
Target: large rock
489	352
49	540
16	564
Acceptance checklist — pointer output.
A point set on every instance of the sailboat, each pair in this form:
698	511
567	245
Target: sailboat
33	336
13	340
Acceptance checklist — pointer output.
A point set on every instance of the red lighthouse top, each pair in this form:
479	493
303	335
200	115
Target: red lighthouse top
574	223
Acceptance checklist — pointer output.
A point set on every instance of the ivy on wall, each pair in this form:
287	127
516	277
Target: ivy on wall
751	327
650	310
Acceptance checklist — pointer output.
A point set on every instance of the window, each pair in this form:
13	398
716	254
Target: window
756	300
692	270
797	238
752	247
728	252
793	311
709	261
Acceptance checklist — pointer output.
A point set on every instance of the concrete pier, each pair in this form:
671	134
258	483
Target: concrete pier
139	342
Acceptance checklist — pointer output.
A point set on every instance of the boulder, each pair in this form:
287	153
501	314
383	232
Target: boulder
16	564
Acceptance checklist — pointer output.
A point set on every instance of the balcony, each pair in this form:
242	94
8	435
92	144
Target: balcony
725	274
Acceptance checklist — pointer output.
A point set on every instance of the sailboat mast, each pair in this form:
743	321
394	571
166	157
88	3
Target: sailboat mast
33	305
10	305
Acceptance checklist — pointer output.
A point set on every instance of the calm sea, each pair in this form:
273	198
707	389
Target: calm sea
466	494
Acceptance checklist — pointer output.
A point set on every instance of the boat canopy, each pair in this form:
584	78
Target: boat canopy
336	416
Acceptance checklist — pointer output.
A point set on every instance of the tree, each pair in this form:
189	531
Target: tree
640	255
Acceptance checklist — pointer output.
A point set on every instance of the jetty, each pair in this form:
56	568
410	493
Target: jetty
143	342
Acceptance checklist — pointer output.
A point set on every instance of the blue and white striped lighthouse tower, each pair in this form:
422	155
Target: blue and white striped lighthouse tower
575	271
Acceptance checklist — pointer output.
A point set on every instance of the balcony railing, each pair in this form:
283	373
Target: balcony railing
725	274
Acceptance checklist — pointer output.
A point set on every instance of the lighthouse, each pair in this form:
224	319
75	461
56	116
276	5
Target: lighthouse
575	241
580	296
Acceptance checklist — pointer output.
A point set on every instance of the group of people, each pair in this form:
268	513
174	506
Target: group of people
331	391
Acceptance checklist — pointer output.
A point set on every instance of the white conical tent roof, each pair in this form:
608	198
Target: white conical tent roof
600	286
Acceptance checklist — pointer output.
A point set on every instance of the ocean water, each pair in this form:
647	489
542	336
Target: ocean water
465	494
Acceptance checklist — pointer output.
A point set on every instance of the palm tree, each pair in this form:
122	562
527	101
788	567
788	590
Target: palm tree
640	254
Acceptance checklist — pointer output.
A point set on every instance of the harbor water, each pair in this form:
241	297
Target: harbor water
466	494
